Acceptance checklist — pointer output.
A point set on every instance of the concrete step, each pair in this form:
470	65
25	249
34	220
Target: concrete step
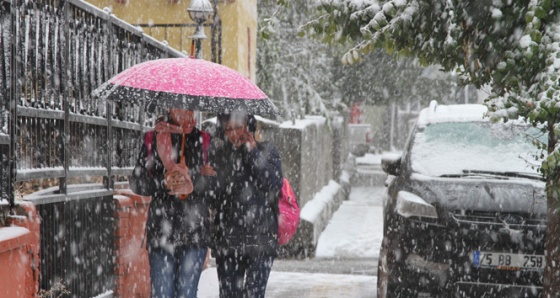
368	175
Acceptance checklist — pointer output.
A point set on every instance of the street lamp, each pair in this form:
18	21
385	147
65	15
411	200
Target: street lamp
199	12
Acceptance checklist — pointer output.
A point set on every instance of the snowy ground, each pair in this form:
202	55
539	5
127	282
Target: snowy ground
302	285
353	233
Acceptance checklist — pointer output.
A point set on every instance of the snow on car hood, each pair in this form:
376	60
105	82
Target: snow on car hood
482	193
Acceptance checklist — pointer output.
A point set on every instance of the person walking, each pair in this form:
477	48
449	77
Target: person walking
171	169
245	207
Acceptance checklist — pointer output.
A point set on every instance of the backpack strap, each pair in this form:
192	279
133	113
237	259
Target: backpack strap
148	141
148	137
205	145
182	154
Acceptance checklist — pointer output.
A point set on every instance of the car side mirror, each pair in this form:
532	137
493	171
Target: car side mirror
391	165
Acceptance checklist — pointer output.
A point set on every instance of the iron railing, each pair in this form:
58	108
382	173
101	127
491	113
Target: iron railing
60	143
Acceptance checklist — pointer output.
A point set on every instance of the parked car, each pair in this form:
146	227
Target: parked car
465	211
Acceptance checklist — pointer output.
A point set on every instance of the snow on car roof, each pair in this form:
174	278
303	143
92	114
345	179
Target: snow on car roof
452	113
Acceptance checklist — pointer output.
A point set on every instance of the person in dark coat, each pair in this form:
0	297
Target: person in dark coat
177	229
245	207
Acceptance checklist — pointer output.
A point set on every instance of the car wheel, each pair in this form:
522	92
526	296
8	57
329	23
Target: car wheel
386	286
389	271
390	264
382	274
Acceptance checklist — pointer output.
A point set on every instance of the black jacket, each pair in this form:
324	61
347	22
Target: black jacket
171	221
245	200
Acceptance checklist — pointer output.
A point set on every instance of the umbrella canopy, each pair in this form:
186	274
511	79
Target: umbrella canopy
190	84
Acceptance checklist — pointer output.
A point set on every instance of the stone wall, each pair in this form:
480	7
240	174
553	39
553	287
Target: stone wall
306	149
312	152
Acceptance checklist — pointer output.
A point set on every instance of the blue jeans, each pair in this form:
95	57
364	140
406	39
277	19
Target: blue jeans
176	275
243	276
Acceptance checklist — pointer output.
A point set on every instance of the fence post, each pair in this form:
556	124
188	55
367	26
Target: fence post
142	110
12	101
68	91
109	72
109	181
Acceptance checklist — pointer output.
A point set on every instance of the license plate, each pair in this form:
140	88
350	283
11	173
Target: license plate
507	261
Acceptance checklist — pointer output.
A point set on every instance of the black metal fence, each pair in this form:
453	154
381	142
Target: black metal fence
76	246
60	146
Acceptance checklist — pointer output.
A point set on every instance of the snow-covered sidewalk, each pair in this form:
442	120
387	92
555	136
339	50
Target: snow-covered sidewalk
356	229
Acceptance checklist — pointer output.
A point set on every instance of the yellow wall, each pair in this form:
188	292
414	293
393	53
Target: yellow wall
239	27
239	23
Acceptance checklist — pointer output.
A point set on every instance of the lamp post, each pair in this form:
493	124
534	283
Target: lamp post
199	12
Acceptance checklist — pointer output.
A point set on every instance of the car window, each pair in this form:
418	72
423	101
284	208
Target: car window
452	148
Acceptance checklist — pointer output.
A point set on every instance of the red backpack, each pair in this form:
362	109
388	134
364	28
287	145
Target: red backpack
288	217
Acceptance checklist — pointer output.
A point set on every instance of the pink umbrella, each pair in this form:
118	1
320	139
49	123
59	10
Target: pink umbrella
186	83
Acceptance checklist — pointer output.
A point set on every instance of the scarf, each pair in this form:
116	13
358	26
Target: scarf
177	175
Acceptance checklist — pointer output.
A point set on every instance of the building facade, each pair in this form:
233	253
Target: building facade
231	31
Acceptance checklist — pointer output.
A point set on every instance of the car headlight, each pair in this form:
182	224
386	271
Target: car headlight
409	204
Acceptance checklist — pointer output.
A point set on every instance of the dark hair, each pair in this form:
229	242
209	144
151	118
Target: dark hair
165	117
221	120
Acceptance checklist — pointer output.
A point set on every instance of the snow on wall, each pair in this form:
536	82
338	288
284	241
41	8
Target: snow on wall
303	123
316	213
8	233
323	199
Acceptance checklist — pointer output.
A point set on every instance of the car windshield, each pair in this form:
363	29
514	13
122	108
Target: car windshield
456	148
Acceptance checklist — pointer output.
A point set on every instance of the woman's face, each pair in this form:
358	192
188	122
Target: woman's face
183	118
235	131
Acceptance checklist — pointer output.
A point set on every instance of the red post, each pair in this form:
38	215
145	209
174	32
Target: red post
132	269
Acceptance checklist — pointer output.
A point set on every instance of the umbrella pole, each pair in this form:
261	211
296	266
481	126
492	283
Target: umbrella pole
198	113
192	48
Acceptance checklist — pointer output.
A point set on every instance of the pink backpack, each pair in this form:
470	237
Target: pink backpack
288	217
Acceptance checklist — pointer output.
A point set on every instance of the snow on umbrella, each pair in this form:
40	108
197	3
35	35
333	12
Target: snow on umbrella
186	83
